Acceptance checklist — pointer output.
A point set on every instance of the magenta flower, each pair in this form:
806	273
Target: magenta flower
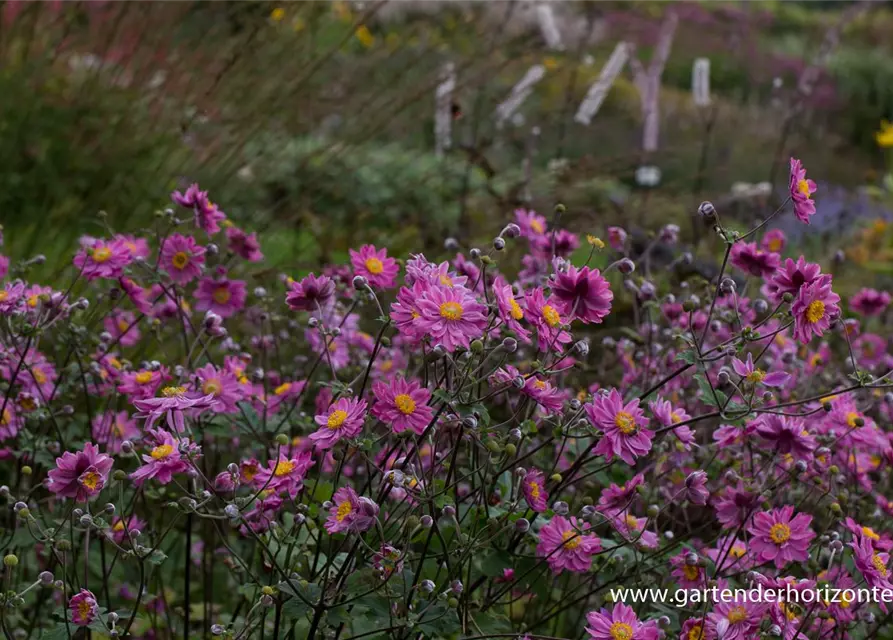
623	427
620	623
870	302
791	276
696	488
736	505
83	607
102	258
374	265
123	327
350	512
182	257
753	260
530	223
781	537
138	247
735	620
617	499
137	295
10	422
168	456
11	295
387	561
221	295
814	308
172	403
534	487
787	434
80	475
562	241
689	576
546	318
344	419
617	238
774	241
310	294
244	245
751	374
207	216
566	545
407	314
286	474
143	383
112	429
221	385
801	192
584	294
872	564
634	530
402	404
451	316
510	312
121	527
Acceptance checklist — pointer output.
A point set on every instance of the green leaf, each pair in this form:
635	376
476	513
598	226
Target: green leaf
157	557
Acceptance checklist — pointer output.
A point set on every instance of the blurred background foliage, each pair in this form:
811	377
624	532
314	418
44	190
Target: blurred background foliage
314	121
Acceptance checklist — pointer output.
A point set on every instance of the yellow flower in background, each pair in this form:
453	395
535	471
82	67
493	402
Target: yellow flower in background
299	24
365	36
551	63
595	241
884	137
277	14
342	11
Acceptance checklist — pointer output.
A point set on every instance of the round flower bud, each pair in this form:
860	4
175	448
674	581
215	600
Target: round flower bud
760	306
475	253
477	346
706	209
427	586
626	266
359	282
470	422
515	434
46	578
113	617
426	521
231	511
109	508
511	230
582	348
10	560
522	525
457	587
282	439
653	511
449	511
560	508
450	244
498	243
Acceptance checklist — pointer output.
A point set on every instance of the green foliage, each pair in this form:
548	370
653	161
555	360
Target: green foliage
865	79
69	146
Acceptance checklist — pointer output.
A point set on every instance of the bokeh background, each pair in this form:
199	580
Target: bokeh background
315	122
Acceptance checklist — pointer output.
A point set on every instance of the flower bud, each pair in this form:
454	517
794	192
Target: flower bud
10	560
706	209
46	578
626	266
498	243
522	525
426	521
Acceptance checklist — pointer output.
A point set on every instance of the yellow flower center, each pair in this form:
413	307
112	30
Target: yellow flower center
336	419
4	295
91	480
803	187
737	614
283	468
451	311
212	386
756	375
516	311
39	376
180	260
571	539
85	610
405	404
143	377
221	295
386	366
851	418
374	266
632	522
162	451
696	632
868	532
737	552
540	384
691	572
445	280
6	418
537	226
675	417
344	510
625	422
551	316
779	533
879	565
119	526
775	245
282	388
249	471
102	254
534	489
621	631
815	311
32	300
173	392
